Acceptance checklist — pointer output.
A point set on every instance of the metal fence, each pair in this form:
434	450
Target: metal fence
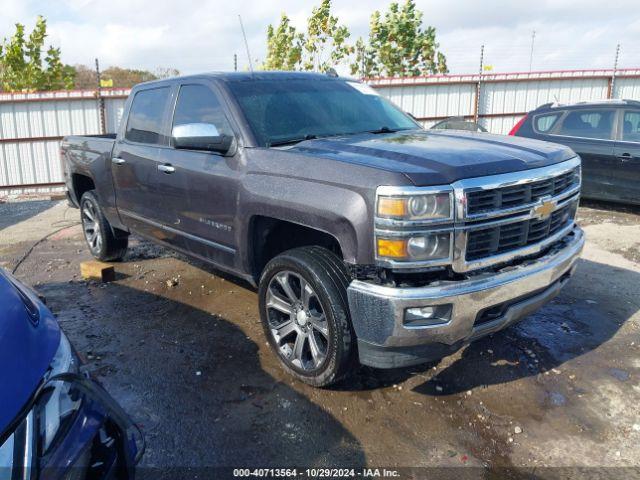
498	100
32	124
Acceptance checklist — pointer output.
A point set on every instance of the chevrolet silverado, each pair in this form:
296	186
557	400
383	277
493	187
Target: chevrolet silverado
367	237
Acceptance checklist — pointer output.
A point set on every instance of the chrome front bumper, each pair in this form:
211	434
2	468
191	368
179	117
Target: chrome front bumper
377	311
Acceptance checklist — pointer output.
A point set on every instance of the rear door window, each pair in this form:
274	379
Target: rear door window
544	123
145	117
588	124
631	126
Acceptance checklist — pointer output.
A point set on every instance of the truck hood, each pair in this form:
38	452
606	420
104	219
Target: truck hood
26	349
438	157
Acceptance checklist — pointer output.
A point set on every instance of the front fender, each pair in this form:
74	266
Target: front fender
341	212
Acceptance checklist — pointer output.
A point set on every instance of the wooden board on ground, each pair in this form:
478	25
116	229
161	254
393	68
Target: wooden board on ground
95	270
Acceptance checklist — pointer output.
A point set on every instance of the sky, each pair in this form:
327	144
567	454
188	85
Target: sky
203	35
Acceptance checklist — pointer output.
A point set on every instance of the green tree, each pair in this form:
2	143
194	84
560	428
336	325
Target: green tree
323	46
22	67
284	46
399	45
326	40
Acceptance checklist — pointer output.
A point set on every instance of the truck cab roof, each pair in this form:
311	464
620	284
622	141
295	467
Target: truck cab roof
248	76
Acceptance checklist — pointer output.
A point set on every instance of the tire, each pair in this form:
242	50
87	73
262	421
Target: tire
98	234
327	348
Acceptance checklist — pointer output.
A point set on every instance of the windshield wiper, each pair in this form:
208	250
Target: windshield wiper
385	129
291	141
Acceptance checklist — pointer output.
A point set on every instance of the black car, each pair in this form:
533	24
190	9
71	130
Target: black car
458	123
605	134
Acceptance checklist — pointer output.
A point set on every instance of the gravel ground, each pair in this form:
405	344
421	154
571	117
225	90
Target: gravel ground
190	364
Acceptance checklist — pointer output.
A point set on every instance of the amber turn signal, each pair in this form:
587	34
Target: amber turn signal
392	248
392	207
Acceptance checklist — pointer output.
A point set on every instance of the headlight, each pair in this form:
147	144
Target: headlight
414	226
417	248
57	406
429	206
52	414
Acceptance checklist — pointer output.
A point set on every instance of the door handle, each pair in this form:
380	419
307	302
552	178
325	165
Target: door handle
166	168
118	161
625	156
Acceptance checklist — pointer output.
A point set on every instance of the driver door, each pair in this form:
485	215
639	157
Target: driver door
201	186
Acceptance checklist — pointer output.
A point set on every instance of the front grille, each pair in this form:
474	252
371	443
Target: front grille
489	241
486	201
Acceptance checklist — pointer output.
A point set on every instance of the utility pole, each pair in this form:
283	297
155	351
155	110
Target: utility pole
101	112
533	41
612	82
235	62
476	109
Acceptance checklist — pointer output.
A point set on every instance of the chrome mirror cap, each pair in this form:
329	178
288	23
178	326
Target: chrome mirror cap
195	130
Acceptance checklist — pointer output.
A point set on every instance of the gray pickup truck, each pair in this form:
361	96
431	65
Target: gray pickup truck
368	237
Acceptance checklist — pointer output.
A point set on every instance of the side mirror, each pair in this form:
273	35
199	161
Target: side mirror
201	136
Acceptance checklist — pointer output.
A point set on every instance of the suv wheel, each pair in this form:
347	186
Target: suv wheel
305	314
102	243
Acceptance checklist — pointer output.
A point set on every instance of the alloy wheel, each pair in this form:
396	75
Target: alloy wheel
297	321
91	226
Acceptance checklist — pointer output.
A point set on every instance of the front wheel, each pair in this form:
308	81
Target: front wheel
305	314
102	243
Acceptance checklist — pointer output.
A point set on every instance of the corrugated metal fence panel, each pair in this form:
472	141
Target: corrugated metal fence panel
627	88
28	163
438	100
32	125
114	109
500	125
504	97
24	120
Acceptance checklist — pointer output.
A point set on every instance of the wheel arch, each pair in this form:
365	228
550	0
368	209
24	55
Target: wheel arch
271	236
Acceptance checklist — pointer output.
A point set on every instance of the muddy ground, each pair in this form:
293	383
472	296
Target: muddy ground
190	364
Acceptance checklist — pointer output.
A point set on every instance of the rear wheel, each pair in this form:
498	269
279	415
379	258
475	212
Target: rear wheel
305	314
102	243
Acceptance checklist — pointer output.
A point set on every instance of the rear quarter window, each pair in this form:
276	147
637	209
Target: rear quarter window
544	123
145	117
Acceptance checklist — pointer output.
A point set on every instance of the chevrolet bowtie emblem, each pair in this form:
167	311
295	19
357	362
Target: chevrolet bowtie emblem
543	210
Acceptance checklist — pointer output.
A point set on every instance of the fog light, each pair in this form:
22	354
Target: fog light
428	316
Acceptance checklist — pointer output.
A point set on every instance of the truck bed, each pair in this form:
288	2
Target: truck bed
97	144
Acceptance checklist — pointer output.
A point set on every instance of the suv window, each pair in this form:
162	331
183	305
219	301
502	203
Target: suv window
198	104
631	127
588	124
544	123
145	118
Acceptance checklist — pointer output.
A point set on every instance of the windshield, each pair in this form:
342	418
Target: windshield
287	110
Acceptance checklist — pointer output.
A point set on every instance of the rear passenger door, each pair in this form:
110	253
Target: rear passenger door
627	151
590	133
134	164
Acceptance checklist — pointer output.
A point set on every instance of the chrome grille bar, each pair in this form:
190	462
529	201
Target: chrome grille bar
543	213
530	182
